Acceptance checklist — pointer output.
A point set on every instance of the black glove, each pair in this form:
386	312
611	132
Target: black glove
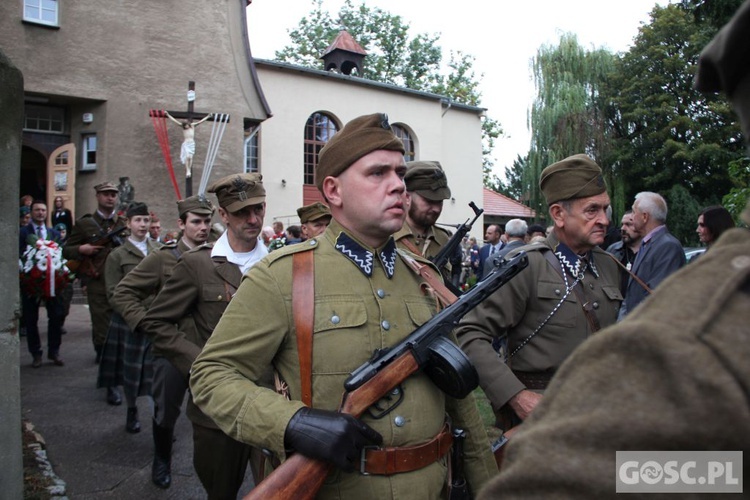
330	436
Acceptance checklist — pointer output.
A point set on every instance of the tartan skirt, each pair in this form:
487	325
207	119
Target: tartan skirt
126	360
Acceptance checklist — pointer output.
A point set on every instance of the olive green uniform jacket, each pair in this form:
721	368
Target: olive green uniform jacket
674	375
121	261
436	239
85	229
131	296
519	307
354	315
200	286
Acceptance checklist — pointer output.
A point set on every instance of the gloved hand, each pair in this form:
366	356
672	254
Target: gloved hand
334	437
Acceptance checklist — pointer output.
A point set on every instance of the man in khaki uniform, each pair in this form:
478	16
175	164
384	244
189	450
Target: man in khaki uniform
202	284
673	375
365	298
314	219
146	280
570	289
89	228
426	188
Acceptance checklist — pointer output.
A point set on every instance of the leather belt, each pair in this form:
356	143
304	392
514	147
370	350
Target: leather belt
387	461
536	381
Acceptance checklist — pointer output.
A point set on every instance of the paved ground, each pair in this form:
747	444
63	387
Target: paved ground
86	439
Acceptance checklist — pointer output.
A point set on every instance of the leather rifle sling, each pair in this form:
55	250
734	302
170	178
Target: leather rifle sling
303	310
445	296
585	304
631	273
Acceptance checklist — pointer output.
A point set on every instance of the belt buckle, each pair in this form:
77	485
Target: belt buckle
363	458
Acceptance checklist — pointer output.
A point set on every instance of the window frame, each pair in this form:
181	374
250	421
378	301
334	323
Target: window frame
40	6
403	133
86	150
56	115
317	133
251	160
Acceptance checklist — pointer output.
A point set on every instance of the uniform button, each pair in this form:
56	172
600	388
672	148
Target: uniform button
380	293
218	298
312	242
591	285
595	305
335	320
557	292
385	325
741	262
399	421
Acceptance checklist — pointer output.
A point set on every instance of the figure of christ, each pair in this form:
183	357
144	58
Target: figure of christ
187	151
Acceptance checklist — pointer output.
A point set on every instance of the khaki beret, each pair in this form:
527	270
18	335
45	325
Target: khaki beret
238	191
358	138
576	176
313	212
196	204
136	208
725	61
427	179
105	186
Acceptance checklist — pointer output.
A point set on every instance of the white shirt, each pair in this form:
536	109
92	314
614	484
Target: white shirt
245	260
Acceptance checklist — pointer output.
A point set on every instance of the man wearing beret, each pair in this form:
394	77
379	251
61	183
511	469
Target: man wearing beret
89	228
145	280
360	295
202	284
569	291
314	219
426	188
672	376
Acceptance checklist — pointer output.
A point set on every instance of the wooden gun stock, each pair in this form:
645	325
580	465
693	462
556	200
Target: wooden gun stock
300	477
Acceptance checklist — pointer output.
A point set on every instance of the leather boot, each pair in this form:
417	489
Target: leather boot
161	470
133	425
113	396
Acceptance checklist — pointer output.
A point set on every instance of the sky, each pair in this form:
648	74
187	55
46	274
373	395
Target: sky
502	36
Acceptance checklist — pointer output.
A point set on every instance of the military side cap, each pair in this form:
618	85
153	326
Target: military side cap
427	179
136	208
238	191
196	204
24	210
576	176
725	61
358	138
313	212
105	186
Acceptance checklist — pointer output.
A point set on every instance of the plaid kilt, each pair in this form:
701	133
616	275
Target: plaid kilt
126	360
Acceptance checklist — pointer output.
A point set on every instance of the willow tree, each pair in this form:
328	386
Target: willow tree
565	118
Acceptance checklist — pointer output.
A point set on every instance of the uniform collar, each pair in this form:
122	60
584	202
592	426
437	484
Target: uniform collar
575	265
362	256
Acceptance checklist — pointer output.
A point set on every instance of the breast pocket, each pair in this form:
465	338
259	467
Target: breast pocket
216	293
340	338
549	296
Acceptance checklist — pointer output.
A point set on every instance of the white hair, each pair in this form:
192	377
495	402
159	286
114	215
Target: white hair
652	204
516	228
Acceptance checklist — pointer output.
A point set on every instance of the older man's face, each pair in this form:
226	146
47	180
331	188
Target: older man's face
584	225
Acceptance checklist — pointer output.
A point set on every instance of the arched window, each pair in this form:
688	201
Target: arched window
319	129
405	136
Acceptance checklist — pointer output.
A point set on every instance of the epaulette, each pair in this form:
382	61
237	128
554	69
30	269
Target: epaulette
280	253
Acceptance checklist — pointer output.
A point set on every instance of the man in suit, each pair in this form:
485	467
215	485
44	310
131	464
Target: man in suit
202	284
30	304
515	230
660	253
493	245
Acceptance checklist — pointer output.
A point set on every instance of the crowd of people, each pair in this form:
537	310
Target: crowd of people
596	346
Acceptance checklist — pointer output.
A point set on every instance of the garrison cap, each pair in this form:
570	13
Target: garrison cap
313	212
24	210
427	179
238	191
358	138
105	186
196	204
576	176
136	208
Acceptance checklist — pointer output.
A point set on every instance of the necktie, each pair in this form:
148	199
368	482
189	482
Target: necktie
493	250
39	231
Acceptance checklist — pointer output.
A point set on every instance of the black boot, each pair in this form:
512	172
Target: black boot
133	425
113	396
161	470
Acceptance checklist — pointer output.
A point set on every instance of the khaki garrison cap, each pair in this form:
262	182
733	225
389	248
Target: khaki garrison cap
313	212
196	204
106	186
427	179
576	176
238	191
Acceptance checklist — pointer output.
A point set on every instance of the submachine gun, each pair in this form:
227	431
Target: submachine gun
427	348
445	253
90	266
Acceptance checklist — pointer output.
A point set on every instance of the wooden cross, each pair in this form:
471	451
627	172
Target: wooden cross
188	118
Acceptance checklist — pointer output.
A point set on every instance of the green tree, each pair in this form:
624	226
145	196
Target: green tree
682	216
513	186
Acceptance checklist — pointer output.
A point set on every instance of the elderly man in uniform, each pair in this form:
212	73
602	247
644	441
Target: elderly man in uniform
147	279
202	284
426	188
672	376
569	291
364	297
314	219
89	228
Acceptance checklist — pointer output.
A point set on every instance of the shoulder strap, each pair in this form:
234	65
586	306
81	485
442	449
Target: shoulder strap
586	305
631	273
444	296
303	310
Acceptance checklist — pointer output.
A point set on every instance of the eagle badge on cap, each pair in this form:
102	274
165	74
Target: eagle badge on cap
240	185
384	122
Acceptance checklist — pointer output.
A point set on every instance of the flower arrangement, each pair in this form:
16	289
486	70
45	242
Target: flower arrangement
42	268
276	242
